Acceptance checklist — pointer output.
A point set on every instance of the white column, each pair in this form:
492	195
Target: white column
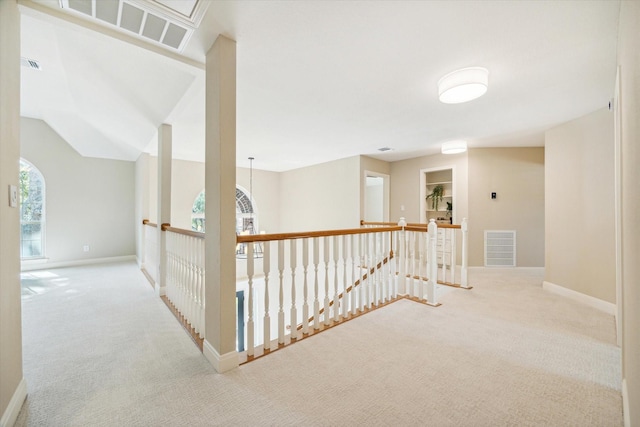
13	389
164	203
220	185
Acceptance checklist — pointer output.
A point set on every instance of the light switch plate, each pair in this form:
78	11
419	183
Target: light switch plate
13	196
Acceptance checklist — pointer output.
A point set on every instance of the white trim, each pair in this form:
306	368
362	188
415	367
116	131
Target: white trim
15	404
618	203
160	290
47	265
223	363
625	404
601	305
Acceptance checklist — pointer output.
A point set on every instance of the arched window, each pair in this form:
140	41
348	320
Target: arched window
32	215
246	221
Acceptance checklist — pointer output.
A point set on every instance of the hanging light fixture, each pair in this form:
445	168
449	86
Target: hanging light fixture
454	147
463	85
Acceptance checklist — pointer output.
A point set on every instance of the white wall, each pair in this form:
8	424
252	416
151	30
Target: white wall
629	61
322	197
579	206
89	201
142	200
517	176
12	386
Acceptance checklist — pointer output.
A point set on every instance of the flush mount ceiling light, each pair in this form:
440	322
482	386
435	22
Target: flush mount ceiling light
454	147
463	85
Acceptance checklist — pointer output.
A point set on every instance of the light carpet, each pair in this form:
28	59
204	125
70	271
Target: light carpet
101	349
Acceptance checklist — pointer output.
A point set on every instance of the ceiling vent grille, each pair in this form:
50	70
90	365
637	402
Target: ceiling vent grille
149	20
499	248
30	63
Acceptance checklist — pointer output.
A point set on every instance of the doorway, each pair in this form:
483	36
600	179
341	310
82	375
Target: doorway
376	197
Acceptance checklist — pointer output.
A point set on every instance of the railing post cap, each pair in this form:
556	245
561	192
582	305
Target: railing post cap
402	222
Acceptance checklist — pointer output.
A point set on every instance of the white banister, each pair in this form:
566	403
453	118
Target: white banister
305	303
336	258
316	290
327	307
266	267
294	311
281	293
402	285
345	298
250	327
433	261
465	252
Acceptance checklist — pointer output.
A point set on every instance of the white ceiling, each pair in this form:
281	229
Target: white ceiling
322	80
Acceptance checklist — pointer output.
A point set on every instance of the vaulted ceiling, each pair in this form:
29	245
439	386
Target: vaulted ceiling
316	80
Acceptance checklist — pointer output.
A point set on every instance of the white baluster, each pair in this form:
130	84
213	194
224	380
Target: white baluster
393	264
412	261
433	274
305	303
465	252
201	277
363	280
402	273
386	266
422	261
366	284
250	328
375	282
327	307
354	293
345	296
452	267
281	294
294	311
444	255
266	267
316	300
336	257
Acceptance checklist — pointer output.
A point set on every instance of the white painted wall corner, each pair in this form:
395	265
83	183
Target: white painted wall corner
223	363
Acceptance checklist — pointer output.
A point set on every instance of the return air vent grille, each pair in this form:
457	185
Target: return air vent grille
500	248
30	63
148	20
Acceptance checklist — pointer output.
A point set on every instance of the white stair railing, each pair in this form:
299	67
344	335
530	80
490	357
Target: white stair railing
185	260
351	272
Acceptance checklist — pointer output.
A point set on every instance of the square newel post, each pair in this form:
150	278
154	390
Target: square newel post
164	203
220	209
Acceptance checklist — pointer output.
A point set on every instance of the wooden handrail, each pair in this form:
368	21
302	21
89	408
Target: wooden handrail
191	233
411	226
299	235
149	223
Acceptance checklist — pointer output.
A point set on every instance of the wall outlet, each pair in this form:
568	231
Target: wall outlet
85	248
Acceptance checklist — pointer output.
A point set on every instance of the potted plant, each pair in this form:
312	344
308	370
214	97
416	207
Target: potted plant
436	196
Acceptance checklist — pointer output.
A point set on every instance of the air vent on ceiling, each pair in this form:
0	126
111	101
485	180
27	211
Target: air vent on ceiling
383	149
148	20
500	248
30	63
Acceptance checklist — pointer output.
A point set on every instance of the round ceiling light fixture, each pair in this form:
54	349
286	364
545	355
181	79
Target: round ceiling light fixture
463	85
454	147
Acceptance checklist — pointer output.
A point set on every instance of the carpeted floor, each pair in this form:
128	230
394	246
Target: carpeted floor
101	349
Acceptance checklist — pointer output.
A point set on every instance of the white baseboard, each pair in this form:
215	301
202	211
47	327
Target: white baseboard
223	363
15	404
160	290
625	404
601	305
47	265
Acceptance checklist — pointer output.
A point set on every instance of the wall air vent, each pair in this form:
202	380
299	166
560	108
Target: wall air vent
499	248
156	21
30	63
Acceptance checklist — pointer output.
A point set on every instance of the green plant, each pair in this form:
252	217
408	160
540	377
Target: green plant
436	196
